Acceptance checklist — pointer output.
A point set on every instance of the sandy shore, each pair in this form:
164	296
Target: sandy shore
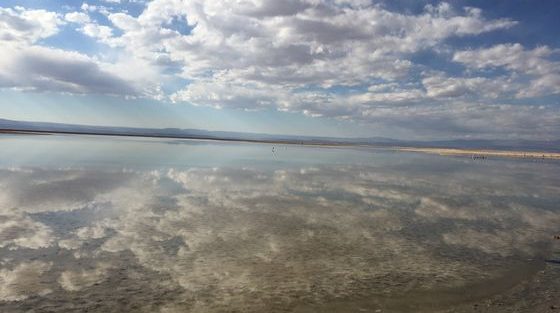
485	153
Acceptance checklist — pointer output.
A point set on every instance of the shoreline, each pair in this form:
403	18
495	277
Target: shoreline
286	142
478	153
474	153
20	132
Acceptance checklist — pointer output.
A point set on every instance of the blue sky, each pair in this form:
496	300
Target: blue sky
353	68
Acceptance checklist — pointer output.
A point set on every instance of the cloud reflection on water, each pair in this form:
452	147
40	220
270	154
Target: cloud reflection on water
254	239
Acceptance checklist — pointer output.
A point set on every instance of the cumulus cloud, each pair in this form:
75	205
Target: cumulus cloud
320	44
44	69
261	54
451	87
86	7
22	25
97	31
77	17
536	65
27	65
265	55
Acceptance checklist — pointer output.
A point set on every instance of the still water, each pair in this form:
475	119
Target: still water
100	224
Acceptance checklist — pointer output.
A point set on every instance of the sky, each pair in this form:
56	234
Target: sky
350	68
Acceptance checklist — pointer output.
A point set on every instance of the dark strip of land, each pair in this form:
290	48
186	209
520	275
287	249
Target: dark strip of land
21	132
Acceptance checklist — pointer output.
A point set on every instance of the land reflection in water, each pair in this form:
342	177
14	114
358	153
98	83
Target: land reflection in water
132	225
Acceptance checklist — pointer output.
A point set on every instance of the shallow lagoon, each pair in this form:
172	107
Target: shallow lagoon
104	224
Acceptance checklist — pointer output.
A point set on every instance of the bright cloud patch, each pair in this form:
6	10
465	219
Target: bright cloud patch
535	66
20	25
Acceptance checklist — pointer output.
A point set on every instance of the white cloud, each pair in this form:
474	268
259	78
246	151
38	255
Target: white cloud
94	8
21	25
100	32
218	95
440	86
257	54
77	17
536	65
124	21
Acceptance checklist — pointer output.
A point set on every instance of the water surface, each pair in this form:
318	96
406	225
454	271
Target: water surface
103	224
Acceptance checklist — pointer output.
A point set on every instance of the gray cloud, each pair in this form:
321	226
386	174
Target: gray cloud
43	69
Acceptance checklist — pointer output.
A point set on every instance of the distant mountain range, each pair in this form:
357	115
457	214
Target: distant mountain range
10	125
